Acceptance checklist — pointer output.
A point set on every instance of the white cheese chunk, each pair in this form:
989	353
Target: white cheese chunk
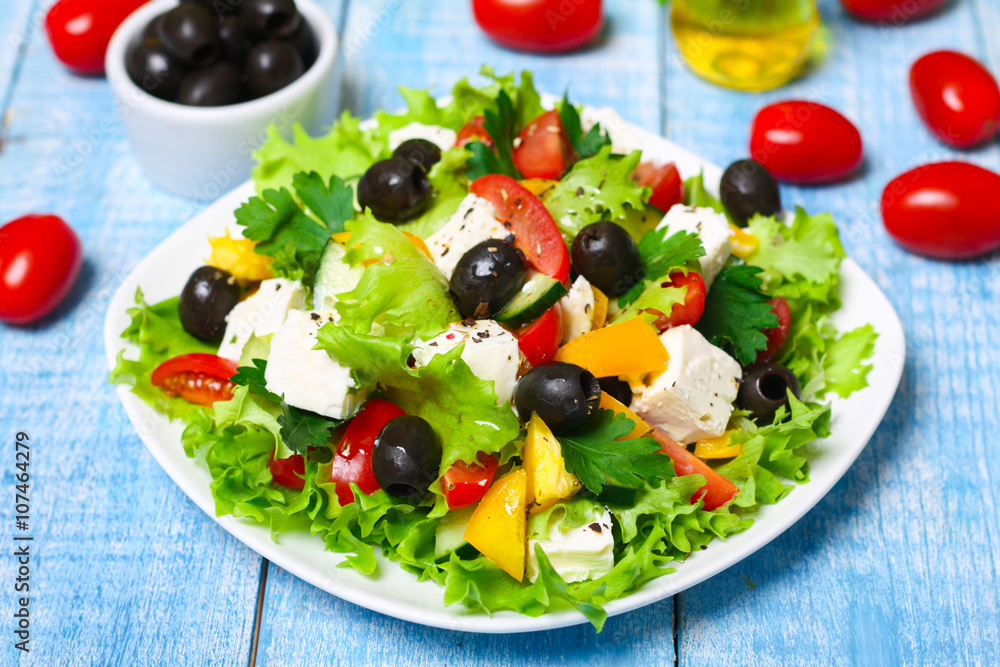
475	221
712	228
261	314
577	310
442	137
623	140
307	378
578	554
693	398
490	351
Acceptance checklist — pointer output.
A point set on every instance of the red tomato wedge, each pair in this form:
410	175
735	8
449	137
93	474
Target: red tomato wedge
542	150
535	232
665	182
690	310
474	131
540	340
353	459
717	491
197	378
288	472
465	484
777	335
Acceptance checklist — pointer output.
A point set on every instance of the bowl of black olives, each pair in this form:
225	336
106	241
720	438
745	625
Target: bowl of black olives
197	84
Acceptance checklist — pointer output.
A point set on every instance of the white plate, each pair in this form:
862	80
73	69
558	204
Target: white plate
397	593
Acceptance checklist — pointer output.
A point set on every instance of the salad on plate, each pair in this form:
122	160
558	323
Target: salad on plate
488	340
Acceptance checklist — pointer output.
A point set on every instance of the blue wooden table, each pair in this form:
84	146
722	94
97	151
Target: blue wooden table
900	564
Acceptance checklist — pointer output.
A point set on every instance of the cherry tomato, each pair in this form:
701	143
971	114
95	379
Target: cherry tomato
776	336
805	142
957	98
535	232
465	484
197	378
896	12
539	26
540	339
690	310
717	490
542	150
948	210
288	472
40	259
353	460
665	181
79	30
474	131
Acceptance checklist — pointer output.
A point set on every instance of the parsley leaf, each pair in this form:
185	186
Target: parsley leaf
662	255
736	311
301	429
501	124
587	144
594	454
252	377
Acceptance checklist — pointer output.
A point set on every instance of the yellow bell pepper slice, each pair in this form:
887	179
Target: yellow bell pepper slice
343	238
539	186
743	243
628	347
237	256
548	479
499	524
719	447
600	315
609	402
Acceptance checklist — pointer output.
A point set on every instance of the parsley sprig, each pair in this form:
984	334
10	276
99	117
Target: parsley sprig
662	254
587	144
501	124
737	312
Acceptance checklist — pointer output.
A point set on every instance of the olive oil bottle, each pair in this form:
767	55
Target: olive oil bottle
745	44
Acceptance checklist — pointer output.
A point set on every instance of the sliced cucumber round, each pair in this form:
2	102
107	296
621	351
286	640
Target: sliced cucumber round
539	293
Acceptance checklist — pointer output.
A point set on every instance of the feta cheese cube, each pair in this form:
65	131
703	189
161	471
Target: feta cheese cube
712	228
310	379
577	310
490	351
261	314
475	221
578	554
693	398
623	140
442	137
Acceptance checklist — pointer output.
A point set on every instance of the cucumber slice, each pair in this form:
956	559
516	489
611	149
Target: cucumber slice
539	294
450	533
334	276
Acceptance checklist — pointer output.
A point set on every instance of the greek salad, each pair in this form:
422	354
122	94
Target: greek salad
492	342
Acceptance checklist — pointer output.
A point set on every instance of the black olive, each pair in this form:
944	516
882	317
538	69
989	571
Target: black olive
764	389
606	255
213	86
235	43
486	278
617	389
272	65
747	188
565	396
270	18
190	35
395	190
150	67
420	152
153	29
206	299
304	42
406	457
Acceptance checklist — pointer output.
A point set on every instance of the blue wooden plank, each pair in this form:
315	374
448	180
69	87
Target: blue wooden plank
18	20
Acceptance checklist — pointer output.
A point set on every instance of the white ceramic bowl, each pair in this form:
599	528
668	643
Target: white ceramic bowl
203	152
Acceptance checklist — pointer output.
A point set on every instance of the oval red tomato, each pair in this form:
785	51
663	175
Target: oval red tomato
896	12
352	461
539	341
540	26
805	142
956	97
79	30
665	182
40	259
541	150
948	210
689	311
197	378
464	484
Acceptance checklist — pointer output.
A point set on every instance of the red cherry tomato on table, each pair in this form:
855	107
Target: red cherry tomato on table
948	210
465	484
79	30
957	98
540	340
40	259
776	337
197	378
896	12
353	459
535	232
288	472
805	142
665	182
474	131
541	150
689	311
539	26
717	490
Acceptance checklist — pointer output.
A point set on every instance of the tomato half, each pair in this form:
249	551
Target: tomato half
948	210
689	311
717	490
465	484
805	142
353	459
957	98
197	378
896	12
474	131
40	259
288	472
79	31
542	150
540	340
776	336
540	26
535	232
665	182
